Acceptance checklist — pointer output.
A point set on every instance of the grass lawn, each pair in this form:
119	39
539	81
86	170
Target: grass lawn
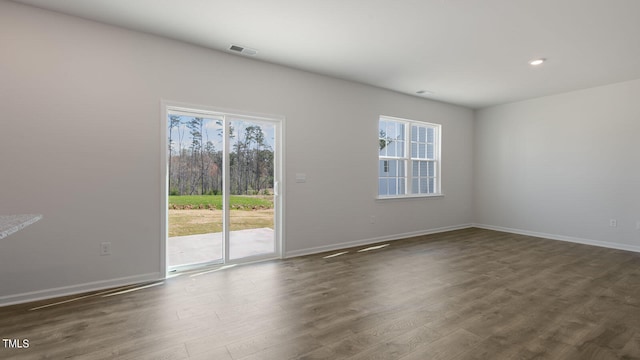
239	202
204	221
201	214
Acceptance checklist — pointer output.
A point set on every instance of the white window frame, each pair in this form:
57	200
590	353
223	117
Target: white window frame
409	160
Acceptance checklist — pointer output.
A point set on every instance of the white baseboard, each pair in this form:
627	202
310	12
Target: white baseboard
572	239
77	289
350	244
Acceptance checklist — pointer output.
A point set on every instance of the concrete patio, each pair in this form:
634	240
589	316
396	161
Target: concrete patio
204	248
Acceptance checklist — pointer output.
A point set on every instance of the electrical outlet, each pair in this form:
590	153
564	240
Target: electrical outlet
613	223
105	248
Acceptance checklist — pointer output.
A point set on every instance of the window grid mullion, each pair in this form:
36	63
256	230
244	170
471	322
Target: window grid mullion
408	165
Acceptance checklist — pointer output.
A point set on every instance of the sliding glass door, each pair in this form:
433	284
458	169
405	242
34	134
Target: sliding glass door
222	182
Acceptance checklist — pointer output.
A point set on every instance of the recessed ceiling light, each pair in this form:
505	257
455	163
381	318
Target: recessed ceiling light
536	62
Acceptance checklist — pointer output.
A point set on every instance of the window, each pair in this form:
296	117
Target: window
408	158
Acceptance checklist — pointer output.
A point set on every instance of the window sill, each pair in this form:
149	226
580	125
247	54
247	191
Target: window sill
400	197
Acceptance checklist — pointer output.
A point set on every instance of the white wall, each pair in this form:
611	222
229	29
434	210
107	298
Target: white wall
80	144
562	166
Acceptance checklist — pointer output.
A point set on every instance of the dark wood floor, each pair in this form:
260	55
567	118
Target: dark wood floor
468	294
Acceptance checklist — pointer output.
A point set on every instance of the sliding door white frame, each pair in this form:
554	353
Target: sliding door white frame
278	122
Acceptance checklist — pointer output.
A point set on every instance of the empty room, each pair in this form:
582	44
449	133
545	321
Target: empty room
436	179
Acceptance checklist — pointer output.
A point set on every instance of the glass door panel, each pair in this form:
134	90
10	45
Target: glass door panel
251	188
195	188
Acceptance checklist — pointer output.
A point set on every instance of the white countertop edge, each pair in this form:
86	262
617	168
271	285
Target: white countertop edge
10	224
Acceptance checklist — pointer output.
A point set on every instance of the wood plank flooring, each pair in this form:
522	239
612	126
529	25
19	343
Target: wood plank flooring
468	294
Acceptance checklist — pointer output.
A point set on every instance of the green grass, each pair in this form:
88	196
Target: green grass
239	202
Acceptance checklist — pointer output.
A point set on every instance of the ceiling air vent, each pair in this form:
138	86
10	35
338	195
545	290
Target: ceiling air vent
243	50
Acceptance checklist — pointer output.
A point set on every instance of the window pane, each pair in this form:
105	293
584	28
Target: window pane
414	133
414	150
391	130
422	134
391	149
421	151
382	137
432	185
400	148
382	126
401	171
384	144
382	168
415	168
393	168
415	186
393	186
430	151
423	168
423	185
400	131
430	134
432	171
401	186
382	186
